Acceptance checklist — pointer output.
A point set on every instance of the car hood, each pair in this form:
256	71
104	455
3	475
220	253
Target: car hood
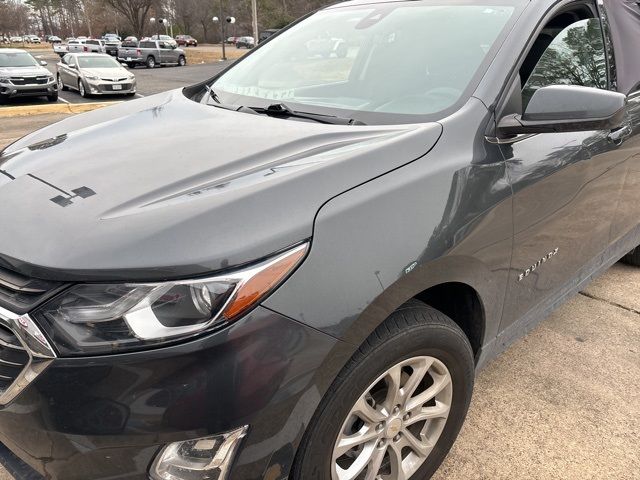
110	73
26	71
164	187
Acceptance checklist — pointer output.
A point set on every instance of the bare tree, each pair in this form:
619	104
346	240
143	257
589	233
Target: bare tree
135	11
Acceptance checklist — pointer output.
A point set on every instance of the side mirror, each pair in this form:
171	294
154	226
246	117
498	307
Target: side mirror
43	63
566	108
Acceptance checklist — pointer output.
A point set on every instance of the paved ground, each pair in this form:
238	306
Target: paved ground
149	81
11	129
562	404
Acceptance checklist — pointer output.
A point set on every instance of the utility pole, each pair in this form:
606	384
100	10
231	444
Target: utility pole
254	19
222	37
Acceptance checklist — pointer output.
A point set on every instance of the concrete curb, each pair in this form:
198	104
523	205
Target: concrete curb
70	108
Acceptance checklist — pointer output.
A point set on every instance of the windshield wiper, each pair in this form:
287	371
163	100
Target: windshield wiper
283	111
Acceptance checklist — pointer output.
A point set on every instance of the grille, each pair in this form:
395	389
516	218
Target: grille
113	79
13	358
20	294
29	80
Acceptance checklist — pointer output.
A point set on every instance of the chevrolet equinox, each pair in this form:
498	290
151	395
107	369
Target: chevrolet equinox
295	269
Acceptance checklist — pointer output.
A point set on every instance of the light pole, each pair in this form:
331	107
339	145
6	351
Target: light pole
160	21
222	30
152	21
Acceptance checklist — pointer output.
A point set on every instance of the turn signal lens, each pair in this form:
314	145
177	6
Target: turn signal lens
262	282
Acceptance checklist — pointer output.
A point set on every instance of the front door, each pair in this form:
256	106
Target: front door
566	185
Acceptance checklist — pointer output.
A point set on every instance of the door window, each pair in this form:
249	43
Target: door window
575	56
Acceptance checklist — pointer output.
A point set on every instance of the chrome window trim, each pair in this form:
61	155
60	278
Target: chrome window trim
35	344
509	140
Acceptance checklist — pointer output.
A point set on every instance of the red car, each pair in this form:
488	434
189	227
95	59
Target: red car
186	41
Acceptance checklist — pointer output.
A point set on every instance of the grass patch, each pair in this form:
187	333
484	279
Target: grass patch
195	56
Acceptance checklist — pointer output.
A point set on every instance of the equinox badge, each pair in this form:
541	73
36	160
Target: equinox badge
533	267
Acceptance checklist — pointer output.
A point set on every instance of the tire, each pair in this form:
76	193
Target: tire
413	334
182	61
62	86
53	98
151	62
131	65
633	257
4	99
82	90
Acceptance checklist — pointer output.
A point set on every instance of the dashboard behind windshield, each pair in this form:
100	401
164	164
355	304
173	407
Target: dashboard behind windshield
371	62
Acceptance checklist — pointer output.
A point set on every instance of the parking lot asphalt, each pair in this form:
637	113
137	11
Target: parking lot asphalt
150	81
563	403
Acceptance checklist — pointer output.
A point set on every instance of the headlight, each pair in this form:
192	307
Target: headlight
50	79
91	77
107	318
4	79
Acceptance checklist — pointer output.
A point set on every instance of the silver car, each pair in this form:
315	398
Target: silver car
95	74
21	75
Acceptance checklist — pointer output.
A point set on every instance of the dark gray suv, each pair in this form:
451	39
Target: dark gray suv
304	281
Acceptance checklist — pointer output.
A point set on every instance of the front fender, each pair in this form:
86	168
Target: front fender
447	217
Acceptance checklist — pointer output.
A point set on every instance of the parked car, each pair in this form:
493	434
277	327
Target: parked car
54	39
94	74
245	42
61	49
231	40
33	39
130	42
111	43
16	39
93	45
164	38
266	34
151	53
21	75
186	40
281	274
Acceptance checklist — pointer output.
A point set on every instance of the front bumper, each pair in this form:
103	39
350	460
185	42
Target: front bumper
107	417
101	87
10	90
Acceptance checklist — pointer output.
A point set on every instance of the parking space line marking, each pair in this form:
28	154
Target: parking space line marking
65	101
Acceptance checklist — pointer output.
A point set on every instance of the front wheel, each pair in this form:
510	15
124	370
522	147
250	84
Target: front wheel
151	62
82	90
61	85
182	61
396	408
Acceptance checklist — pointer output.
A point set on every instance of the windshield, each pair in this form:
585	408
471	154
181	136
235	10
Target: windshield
19	59
375	60
98	62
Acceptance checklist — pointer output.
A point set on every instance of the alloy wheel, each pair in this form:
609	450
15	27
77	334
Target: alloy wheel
395	424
